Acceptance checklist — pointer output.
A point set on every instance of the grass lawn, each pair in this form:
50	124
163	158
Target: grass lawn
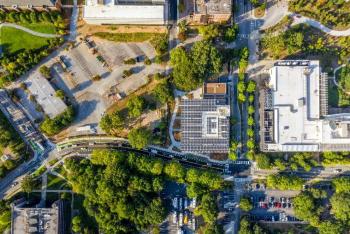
40	27
16	40
127	37
54	182
337	98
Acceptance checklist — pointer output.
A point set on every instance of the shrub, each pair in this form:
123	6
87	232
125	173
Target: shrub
130	61
127	73
45	71
147	61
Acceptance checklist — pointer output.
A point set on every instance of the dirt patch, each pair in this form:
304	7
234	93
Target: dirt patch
177	136
88	29
121	104
221	157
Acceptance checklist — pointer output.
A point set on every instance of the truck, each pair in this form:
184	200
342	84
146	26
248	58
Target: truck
175	202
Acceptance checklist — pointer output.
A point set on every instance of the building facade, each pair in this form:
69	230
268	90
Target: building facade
295	111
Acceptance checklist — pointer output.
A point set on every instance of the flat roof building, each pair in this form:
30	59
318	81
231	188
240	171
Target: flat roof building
45	95
205	125
296	116
38	220
212	11
144	12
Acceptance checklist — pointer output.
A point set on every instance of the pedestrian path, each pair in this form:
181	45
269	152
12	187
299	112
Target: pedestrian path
316	24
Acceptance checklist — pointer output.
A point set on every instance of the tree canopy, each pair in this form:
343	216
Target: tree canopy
285	182
121	190
139	137
136	105
193	67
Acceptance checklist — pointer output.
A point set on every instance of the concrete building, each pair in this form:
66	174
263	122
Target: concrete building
212	11
30	5
142	12
45	95
295	111
205	123
38	220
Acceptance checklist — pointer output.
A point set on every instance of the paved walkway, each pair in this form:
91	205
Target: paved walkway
27	30
174	143
316	24
73	22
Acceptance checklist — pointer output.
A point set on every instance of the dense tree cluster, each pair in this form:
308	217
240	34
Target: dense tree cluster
245	227
245	204
335	158
10	138
57	124
122	189
163	91
304	40
5	216
112	123
17	64
309	206
139	137
27	17
193	67
136	105
284	182
332	13
302	160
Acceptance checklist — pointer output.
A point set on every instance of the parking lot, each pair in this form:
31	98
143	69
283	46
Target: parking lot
73	71
271	205
116	53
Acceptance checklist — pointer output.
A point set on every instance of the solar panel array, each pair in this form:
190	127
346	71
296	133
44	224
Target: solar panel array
193	139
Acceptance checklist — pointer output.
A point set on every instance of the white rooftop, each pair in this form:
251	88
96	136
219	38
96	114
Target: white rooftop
298	125
45	95
124	14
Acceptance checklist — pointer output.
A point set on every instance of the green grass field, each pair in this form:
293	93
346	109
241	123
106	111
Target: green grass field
13	40
54	182
40	27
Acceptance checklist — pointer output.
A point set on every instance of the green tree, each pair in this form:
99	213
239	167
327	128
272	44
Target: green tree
341	184
341	206
210	31
245	204
136	105
263	161
112	123
76	224
60	94
45	71
284	182
139	138
305	208
251	86
175	171
231	33
27	184
207	209
163	92
330	227
190	69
